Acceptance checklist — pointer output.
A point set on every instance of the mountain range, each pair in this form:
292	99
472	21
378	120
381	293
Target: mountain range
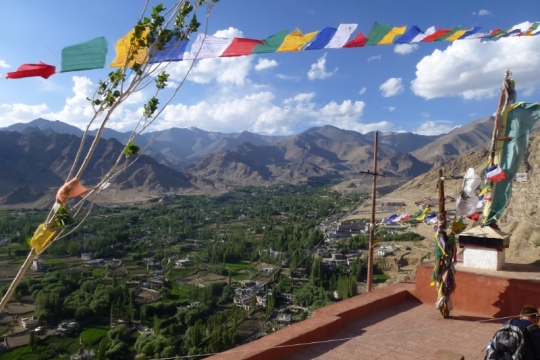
35	158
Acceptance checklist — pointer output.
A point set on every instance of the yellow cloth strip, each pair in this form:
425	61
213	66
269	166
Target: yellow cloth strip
456	35
295	41
484	191
388	39
41	238
123	48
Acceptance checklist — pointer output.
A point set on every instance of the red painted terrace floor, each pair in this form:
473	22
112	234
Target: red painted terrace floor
408	330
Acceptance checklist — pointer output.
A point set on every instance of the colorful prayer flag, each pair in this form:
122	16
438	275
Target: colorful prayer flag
472	34
295	41
389	38
42	237
85	56
409	35
322	39
207	46
358	41
70	190
449	34
29	70
271	44
377	33
422	36
173	51
437	34
517	122
341	36
124	48
240	47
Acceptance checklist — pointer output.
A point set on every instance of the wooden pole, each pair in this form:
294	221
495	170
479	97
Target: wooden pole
442	213
372	223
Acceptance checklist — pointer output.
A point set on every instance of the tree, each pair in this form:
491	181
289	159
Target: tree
151	35
32	341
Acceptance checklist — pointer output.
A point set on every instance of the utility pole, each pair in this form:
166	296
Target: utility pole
373	202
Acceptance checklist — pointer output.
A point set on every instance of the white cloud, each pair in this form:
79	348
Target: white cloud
229	33
362	91
404	49
484	12
391	108
300	98
288	77
391	87
16	113
263	64
318	70
474	69
374	57
262	113
434	128
230	70
3	64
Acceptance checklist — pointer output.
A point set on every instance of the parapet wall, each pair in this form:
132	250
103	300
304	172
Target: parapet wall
324	322
496	294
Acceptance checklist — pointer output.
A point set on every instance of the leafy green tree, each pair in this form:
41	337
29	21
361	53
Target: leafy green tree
32	341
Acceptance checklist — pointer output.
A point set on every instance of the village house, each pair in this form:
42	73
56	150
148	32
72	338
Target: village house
38	265
28	322
284	319
87	256
66	328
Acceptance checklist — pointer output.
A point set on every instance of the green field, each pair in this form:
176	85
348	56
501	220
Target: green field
182	291
39	350
97	272
93	334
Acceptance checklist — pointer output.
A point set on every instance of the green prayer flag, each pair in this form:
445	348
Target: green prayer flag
271	44
377	33
518	120
85	56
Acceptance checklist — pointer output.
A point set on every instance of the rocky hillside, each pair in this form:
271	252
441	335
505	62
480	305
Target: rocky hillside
522	218
35	164
474	136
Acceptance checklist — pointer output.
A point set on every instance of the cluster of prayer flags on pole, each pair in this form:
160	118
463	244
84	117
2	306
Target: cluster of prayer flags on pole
92	54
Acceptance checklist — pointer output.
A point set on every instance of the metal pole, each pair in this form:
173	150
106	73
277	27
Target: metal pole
372	224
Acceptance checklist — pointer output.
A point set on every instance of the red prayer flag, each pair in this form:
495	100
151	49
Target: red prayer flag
241	46
474	216
358	41
29	70
437	34
498	177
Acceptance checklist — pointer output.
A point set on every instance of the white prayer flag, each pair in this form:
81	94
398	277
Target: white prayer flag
341	36
209	46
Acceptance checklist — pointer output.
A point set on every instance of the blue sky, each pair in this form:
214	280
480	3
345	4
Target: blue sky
429	89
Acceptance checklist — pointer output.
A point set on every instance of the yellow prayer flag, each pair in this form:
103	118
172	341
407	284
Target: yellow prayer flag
123	47
41	238
423	215
456	35
389	38
484	191
295	41
457	226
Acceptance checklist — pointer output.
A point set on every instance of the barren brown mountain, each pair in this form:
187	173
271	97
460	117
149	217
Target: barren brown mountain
35	163
474	136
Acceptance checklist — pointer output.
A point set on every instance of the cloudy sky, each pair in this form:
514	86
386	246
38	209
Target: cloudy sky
427	88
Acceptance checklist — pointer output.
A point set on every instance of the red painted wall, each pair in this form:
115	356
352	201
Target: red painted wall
482	295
